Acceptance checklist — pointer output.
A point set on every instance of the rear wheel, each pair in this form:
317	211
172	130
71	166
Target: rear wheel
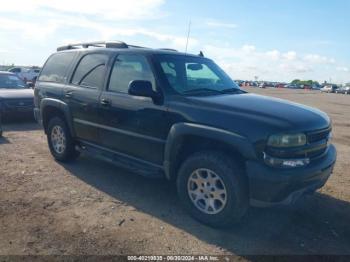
213	189
60	141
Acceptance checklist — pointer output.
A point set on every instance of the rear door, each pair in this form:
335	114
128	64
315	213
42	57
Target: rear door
82	94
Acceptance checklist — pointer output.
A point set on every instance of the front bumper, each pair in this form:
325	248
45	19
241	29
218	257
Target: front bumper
273	186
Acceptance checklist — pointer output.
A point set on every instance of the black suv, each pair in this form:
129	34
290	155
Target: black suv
162	113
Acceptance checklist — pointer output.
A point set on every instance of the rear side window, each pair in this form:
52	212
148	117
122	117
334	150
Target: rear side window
90	71
56	67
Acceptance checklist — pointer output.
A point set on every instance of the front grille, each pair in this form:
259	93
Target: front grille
319	135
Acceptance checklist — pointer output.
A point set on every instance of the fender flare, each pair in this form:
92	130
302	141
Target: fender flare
61	106
180	130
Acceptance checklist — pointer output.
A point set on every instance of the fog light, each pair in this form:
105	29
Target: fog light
285	163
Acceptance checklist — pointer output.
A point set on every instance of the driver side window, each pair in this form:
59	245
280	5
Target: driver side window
127	68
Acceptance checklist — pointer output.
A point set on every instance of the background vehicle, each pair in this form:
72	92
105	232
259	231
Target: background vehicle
316	87
26	74
343	90
280	85
16	98
263	85
162	113
329	88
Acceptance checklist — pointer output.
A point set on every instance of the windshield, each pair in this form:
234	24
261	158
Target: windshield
11	82
189	75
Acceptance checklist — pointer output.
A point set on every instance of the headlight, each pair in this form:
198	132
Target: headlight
287	140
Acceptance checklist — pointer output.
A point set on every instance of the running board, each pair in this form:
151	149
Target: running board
132	164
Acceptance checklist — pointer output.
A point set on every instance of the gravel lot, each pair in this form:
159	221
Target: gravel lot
92	207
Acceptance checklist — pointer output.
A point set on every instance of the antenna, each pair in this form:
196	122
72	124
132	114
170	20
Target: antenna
188	34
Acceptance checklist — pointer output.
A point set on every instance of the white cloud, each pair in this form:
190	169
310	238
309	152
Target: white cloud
27	29
274	54
108	9
35	31
318	59
247	61
343	69
291	55
296	68
219	24
249	48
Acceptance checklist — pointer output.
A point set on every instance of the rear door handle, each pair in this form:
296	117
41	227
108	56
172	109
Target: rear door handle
105	102
69	94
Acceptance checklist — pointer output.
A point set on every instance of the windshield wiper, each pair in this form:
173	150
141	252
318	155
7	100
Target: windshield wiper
201	90
232	91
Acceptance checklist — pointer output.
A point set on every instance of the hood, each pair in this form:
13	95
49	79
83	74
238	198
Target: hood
16	93
283	115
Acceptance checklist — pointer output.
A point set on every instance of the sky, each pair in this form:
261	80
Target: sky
275	40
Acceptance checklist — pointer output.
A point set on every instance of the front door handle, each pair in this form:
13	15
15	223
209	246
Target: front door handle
105	102
68	94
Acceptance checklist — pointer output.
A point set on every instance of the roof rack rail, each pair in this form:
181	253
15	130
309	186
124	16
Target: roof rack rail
168	49
106	44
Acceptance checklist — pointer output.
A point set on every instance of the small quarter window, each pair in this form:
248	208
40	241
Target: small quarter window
90	71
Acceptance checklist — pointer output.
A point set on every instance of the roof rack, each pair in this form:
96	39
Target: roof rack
168	49
105	44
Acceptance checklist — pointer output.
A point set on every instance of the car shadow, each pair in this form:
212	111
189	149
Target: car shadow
316	224
4	140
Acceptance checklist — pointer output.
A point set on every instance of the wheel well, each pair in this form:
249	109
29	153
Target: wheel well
191	144
50	112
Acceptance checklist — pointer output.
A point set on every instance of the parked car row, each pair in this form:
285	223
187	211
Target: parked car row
265	84
326	88
335	89
26	74
343	90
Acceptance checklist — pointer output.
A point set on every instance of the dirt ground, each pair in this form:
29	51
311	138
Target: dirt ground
92	207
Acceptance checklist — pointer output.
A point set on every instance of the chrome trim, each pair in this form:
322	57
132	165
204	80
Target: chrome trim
113	129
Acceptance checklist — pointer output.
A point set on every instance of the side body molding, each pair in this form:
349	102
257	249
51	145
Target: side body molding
180	130
61	106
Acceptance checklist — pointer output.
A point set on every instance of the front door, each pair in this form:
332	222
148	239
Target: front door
134	126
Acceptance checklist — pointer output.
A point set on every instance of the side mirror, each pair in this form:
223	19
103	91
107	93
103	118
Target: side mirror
30	85
141	88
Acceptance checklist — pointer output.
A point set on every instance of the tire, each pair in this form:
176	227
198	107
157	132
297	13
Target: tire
61	143
229	177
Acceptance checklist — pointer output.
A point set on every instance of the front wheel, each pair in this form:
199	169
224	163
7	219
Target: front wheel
60	141
213	189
